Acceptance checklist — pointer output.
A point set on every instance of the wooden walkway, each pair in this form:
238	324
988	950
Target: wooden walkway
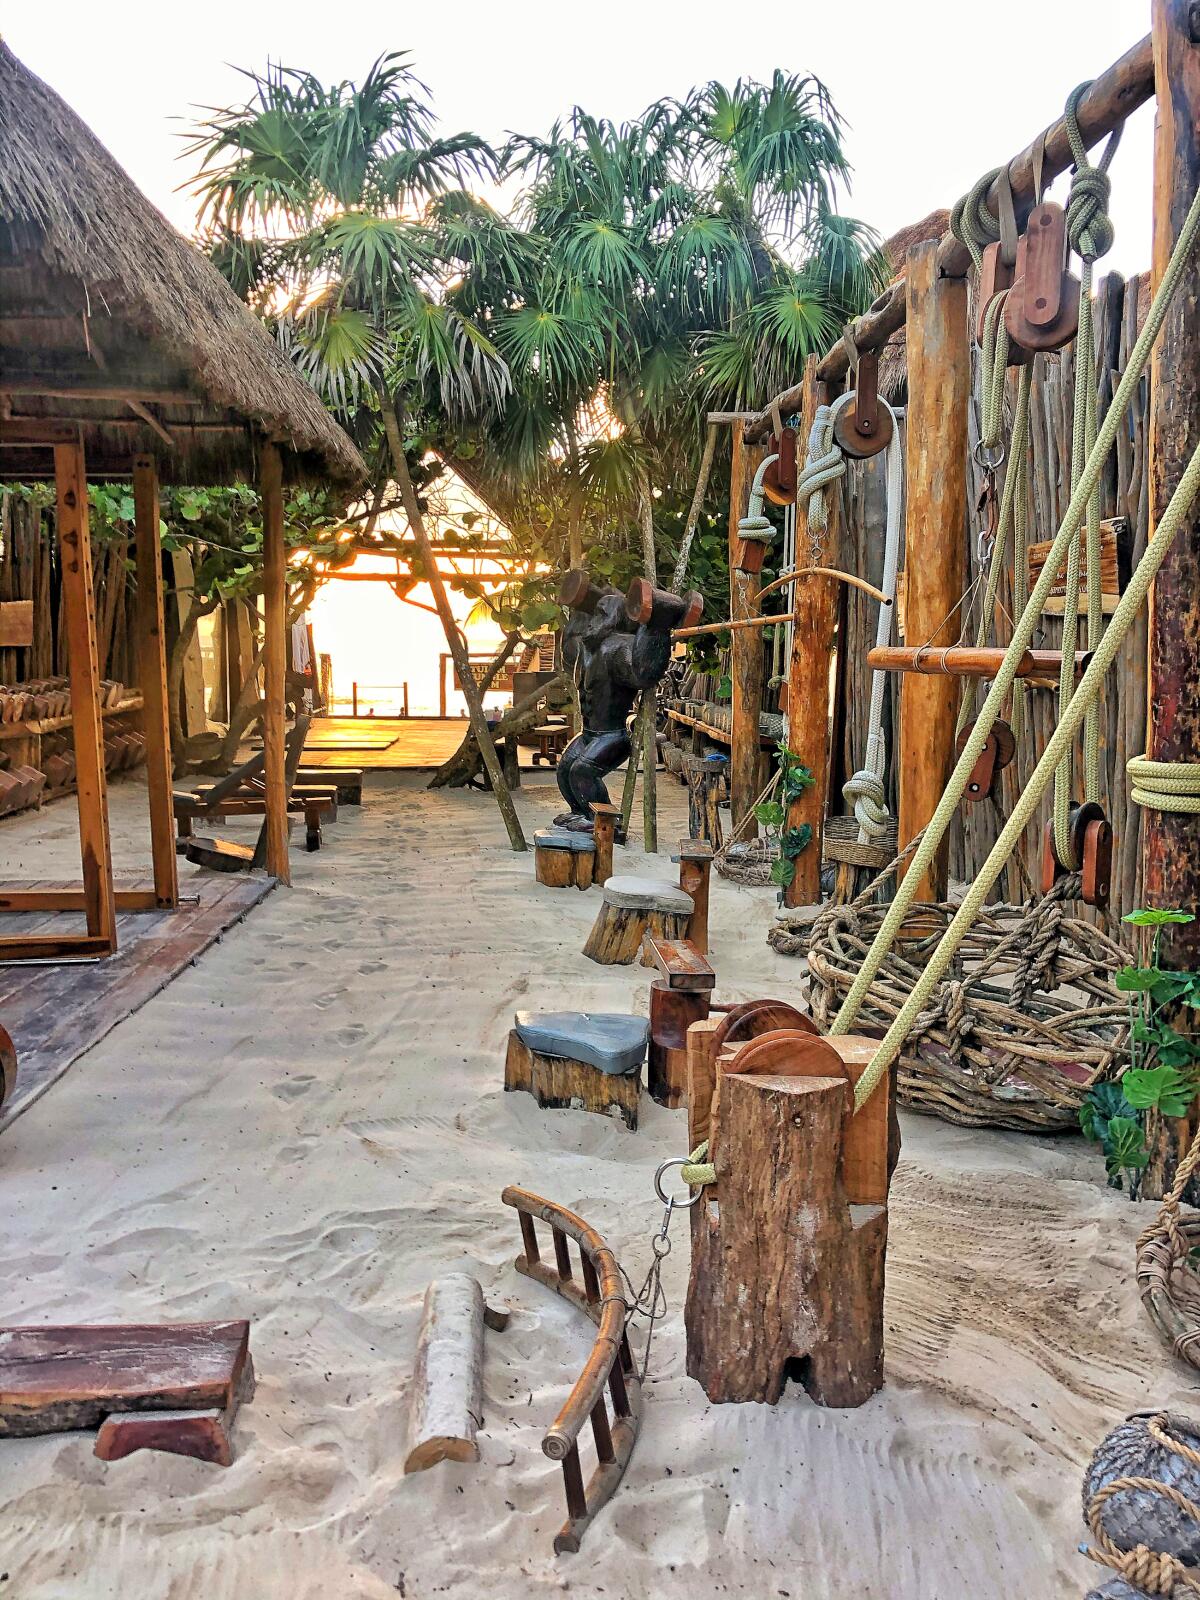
56	1012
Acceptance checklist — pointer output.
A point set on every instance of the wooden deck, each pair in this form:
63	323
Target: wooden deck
386	744
57	1012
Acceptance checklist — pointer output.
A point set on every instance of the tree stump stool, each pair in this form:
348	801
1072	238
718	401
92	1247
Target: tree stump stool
585	1060
563	859
632	908
680	997
788	1244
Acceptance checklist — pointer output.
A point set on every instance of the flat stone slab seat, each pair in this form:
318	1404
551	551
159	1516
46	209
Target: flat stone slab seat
632	908
606	1040
563	858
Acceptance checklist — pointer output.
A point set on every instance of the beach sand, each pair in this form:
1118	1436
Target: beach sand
309	1124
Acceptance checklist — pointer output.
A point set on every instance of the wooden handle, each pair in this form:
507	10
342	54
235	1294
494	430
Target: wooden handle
827	572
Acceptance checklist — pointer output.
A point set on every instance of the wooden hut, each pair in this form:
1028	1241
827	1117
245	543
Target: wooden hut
123	352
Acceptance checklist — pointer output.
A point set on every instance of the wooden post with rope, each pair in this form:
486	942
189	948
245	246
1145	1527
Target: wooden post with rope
939	394
815	607
746	649
1171	839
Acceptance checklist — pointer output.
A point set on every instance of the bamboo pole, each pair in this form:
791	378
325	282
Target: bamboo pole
746	669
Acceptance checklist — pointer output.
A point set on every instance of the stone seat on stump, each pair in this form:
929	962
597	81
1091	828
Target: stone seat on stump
563	858
588	1060
632	908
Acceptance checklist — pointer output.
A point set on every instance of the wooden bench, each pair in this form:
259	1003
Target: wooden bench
563	859
590	1061
547	741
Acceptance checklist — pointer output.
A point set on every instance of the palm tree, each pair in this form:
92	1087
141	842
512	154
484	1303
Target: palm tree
333	208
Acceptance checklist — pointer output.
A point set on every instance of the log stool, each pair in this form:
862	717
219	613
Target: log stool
632	908
563	859
587	1060
681	996
766	1303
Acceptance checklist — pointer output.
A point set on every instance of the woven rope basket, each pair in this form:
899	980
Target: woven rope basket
1027	1018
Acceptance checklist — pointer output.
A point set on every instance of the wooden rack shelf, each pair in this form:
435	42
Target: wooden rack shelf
24	730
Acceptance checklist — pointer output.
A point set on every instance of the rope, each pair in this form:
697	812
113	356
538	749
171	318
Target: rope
823	465
1165	785
866	792
971	223
1151	1571
1123	618
697	1170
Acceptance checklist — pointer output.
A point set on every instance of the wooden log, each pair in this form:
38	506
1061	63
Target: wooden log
813	634
702	1050
203	1435
603	835
557	1082
274	660
8	1066
939	392
695	857
56	1379
965	661
446	1394
562	868
87	762
1171	843
746	669
617	934
152	679
672	1013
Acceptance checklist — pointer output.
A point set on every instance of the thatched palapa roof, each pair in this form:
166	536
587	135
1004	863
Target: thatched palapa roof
110	318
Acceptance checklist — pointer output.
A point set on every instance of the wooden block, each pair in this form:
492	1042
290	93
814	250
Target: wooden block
604	825
203	1435
446	1406
55	1379
556	1082
672	1014
16	624
222	855
680	963
617	934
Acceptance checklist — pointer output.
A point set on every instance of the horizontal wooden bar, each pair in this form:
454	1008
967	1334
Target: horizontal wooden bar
74	900
66	946
964	661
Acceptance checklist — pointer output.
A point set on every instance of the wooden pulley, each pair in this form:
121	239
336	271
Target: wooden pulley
779	480
1042	309
998	751
661	609
864	427
754	1017
995	276
578	593
1092	843
786	1053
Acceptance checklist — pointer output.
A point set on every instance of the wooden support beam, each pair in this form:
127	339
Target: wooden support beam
813	633
939	393
746	670
150	634
1171	839
75	550
274	661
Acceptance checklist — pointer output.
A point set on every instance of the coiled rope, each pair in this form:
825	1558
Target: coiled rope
1165	785
1090	685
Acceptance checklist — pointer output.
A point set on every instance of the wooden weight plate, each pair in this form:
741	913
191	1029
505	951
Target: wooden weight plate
787	1053
754	1017
861	445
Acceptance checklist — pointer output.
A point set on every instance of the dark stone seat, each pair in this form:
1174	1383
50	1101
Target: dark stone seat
607	1040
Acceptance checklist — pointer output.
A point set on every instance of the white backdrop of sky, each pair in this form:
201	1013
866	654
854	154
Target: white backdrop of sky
933	92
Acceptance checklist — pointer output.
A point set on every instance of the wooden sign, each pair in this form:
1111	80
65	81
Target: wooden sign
16	623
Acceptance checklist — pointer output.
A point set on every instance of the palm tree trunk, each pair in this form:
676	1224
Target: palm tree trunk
648	711
454	640
693	516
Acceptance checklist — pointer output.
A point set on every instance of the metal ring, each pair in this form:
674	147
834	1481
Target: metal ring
980	452
668	1200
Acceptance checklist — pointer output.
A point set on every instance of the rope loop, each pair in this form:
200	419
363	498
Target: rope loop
824	465
1164	785
1089	226
972	223
867	793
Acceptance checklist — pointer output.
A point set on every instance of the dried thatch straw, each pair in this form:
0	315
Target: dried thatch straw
75	231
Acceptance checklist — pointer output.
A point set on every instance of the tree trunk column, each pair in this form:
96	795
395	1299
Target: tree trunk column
1171	839
274	662
746	671
939	394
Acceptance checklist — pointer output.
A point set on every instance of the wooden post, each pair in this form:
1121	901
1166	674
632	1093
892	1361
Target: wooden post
695	857
939	393
603	832
1171	839
274	661
746	651
75	550
152	678
815	606
192	717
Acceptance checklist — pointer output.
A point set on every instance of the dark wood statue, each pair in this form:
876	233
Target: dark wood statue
617	646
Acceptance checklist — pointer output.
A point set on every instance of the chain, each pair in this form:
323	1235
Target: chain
650	1301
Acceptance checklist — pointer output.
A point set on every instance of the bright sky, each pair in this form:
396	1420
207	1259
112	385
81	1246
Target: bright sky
935	91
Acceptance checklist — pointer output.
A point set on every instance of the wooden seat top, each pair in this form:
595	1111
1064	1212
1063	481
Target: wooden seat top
564	839
648	894
680	963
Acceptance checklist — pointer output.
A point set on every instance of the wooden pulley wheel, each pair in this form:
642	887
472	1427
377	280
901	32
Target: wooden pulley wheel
997	753
754	1017
1086	820
1082	817
864	427
787	1053
779	480
8	1066
1042	309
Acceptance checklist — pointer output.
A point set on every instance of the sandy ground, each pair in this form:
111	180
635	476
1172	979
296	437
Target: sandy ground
309	1124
